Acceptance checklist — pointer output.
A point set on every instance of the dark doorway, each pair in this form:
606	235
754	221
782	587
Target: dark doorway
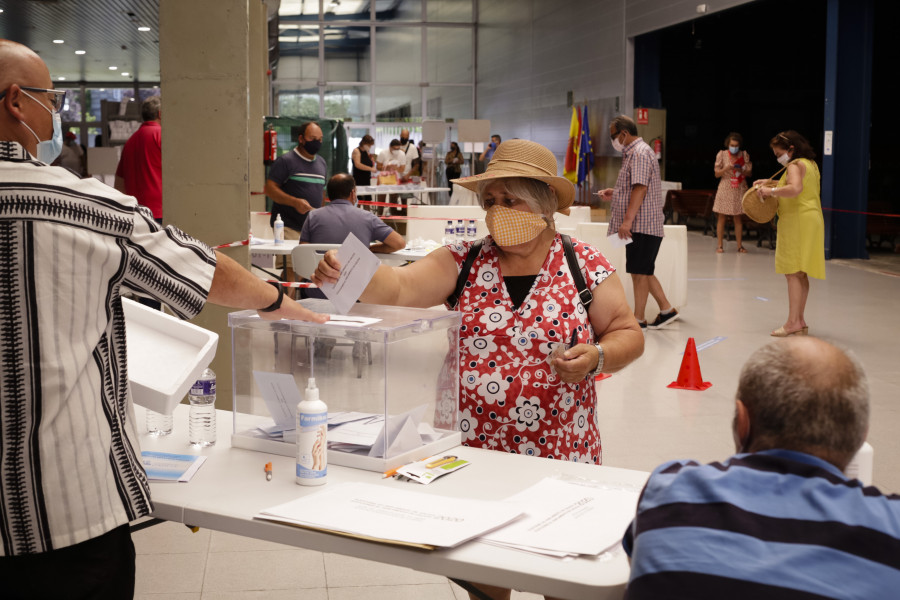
756	69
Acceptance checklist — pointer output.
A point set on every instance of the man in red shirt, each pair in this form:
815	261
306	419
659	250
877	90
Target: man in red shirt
140	167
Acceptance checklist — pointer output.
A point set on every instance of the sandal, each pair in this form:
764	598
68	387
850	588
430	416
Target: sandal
719	250
782	332
742	250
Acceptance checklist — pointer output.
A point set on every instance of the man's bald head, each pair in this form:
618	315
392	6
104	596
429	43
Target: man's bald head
805	394
21	65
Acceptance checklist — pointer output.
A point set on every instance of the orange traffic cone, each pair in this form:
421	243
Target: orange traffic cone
689	377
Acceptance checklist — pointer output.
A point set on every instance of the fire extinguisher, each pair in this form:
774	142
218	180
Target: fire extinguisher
657	148
270	145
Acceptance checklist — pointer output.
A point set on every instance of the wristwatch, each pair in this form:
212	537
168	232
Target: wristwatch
277	304
599	368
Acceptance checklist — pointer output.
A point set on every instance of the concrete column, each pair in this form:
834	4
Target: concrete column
259	99
204	47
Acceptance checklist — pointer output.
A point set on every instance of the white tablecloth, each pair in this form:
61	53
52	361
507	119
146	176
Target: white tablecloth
671	263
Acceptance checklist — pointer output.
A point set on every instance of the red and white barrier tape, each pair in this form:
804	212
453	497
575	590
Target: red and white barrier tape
293	284
233	244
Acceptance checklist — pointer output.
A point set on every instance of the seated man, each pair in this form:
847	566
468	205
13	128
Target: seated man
779	519
332	223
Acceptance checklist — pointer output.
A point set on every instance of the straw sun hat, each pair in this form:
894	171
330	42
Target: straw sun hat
522	158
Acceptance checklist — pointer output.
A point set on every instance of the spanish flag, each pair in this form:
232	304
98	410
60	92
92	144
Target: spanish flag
570	167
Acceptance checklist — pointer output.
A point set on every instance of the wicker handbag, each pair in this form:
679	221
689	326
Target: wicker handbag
761	210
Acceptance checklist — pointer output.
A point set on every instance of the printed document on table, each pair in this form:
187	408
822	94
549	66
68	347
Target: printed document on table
358	265
163	466
568	517
394	515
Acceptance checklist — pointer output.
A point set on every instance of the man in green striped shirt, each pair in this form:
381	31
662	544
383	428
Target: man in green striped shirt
296	184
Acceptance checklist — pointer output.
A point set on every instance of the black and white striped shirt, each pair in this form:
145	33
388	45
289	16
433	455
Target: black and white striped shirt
70	465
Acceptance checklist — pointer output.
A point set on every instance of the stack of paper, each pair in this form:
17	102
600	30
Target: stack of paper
392	515
348	432
567	518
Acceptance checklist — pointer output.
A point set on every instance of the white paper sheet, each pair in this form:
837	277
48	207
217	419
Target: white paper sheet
616	242
281	395
358	265
402	434
349	321
395	514
566	517
359	433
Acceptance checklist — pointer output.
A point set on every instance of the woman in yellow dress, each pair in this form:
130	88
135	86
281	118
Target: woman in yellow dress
800	247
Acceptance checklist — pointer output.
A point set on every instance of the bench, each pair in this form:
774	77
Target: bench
683	205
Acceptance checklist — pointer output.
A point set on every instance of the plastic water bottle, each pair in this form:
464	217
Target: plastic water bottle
449	234
471	230
158	423
312	438
278	228
460	231
202	428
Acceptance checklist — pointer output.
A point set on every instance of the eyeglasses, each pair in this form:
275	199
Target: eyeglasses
57	97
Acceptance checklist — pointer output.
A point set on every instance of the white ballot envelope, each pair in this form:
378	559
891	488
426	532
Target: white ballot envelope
616	242
358	265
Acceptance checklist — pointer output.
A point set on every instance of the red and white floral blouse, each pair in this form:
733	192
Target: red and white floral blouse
510	397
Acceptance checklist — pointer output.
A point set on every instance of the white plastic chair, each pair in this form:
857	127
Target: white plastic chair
306	257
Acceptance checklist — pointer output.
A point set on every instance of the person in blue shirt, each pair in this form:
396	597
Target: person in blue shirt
779	519
332	223
485	157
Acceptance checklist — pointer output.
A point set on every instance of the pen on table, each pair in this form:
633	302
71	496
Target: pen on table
393	471
268	471
443	461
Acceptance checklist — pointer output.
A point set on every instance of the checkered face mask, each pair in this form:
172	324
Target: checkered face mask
511	227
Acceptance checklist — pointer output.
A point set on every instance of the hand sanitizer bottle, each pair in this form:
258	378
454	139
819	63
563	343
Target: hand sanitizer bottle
278	227
312	431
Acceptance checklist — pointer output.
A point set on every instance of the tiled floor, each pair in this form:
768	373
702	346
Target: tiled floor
738	297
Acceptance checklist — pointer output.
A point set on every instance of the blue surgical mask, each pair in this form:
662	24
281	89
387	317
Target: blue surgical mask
47	150
734	149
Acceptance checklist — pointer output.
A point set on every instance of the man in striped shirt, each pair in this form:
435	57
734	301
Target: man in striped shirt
637	214
71	477
779	519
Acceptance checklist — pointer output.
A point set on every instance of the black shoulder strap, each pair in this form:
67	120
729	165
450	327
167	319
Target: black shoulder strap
474	251
577	276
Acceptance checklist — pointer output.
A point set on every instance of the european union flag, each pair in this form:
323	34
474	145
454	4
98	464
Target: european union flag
585	149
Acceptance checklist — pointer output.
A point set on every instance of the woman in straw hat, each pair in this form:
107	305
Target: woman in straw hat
521	390
800	246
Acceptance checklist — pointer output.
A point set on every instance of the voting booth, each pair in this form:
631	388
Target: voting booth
389	375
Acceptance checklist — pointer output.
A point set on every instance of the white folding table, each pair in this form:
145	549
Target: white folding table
231	487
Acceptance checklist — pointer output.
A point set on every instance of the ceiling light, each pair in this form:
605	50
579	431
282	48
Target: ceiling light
60	78
114	68
79	52
143	29
59	41
126	74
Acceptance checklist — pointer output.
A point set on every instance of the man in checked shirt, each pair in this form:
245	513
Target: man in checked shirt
637	214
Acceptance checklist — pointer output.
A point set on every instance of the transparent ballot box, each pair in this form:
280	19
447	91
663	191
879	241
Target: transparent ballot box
389	375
